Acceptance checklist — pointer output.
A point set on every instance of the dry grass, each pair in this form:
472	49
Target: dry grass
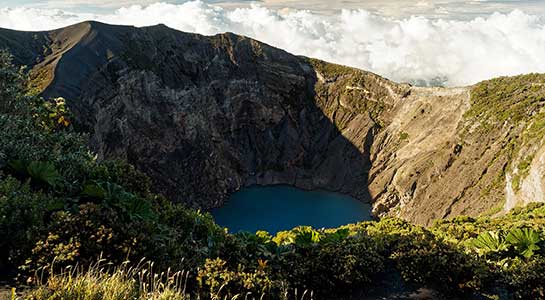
105	282
102	281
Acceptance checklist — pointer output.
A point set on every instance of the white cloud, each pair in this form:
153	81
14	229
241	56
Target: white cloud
408	49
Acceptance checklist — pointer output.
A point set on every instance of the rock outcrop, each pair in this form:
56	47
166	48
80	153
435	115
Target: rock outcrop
206	115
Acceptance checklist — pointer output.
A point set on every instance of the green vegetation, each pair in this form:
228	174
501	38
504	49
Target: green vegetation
40	79
512	110
100	281
523	171
512	99
57	201
61	210
330	70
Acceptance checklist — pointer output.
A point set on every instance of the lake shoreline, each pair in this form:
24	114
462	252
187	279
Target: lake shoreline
275	208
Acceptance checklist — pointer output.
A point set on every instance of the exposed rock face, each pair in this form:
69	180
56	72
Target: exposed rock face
474	150
415	157
203	116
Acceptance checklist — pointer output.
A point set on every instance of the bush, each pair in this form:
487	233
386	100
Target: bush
22	216
434	263
218	281
122	174
424	258
525	279
332	266
84	236
186	237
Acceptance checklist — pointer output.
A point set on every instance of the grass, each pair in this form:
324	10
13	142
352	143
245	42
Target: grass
512	99
102	281
523	171
40	79
330	70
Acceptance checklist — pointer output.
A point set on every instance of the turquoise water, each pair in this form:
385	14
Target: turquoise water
277	208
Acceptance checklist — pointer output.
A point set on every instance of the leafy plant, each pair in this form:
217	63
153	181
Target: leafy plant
524	241
115	196
18	166
337	236
44	172
94	190
306	236
488	242
39	171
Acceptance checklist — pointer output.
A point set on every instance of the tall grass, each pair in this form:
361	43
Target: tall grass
102	281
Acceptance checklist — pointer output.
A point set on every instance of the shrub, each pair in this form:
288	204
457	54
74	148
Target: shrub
425	259
83	236
219	281
526	279
186	237
23	215
325	263
437	264
122	174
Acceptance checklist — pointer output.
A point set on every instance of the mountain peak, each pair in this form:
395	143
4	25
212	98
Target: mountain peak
75	52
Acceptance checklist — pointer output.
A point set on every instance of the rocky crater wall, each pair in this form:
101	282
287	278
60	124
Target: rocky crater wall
204	116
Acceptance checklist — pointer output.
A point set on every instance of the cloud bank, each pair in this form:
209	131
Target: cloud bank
414	49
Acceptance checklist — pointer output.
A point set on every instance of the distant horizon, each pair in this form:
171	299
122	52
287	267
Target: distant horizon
439	42
443	9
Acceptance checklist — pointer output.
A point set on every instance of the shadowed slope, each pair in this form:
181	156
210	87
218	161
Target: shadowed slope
206	115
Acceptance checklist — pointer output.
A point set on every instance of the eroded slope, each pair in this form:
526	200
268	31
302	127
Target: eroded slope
474	150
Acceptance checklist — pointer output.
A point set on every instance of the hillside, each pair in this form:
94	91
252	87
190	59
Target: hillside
79	226
203	116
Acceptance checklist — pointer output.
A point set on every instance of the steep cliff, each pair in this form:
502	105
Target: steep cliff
473	150
204	116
